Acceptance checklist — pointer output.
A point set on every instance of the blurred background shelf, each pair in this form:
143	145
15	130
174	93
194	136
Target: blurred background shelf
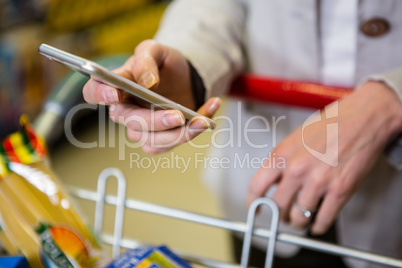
87	28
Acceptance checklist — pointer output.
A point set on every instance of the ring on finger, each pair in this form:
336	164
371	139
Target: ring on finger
307	213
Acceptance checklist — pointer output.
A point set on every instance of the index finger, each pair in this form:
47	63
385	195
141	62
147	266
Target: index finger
142	119
265	177
95	92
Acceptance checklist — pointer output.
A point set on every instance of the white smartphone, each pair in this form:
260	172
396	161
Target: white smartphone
92	69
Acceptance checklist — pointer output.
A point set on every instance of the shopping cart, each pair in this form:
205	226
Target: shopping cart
121	203
285	92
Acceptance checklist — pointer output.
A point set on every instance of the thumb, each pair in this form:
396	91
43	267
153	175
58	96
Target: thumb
142	71
143	66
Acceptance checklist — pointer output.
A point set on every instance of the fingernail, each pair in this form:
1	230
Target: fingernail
110	96
199	125
173	119
216	102
148	79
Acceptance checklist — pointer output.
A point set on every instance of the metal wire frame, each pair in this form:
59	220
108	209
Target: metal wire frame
100	204
117	241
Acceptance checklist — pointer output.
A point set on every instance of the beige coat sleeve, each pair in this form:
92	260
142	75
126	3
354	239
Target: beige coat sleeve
393	79
209	34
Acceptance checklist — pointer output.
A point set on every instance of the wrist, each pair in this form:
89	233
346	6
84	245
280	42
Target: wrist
386	102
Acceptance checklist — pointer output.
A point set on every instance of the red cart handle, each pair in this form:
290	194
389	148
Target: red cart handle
295	93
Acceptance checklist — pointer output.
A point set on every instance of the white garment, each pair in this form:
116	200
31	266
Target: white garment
339	27
281	39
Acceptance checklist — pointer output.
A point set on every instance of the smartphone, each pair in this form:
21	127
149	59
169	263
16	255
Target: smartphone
95	70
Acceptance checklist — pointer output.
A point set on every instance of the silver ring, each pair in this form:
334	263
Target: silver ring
306	212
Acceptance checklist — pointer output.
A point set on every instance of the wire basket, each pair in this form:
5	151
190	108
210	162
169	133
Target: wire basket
117	241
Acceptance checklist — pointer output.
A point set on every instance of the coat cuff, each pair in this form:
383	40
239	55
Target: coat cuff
393	79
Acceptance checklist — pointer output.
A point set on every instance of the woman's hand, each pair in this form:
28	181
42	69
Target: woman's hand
165	71
329	156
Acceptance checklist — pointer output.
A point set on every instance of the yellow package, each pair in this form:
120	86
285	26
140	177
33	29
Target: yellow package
37	216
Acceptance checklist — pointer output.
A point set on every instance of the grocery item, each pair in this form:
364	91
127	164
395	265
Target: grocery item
14	262
147	257
37	217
